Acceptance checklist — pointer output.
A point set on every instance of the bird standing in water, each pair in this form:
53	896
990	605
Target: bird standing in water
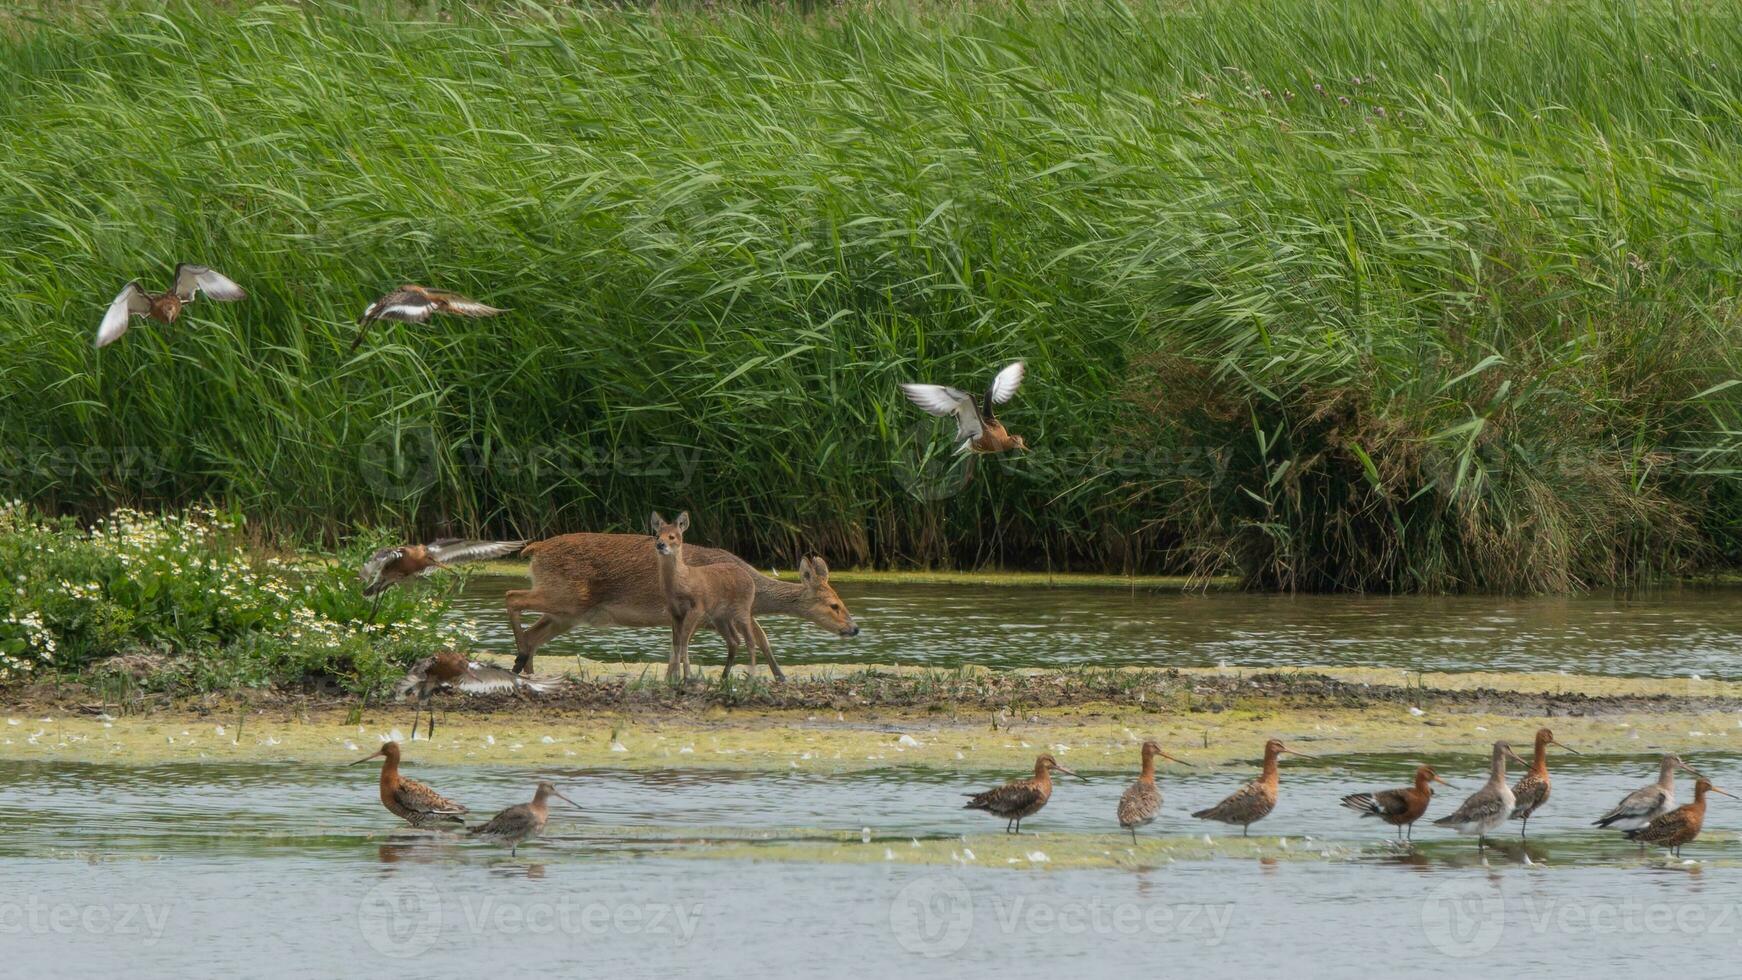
1532	791
415	304
1142	799
1681	825
190	280
452	670
1488	807
1647	803
977	426
410	800
1253	801
518	824
1400	808
1020	797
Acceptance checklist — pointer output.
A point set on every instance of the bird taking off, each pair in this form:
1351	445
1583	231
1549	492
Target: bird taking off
976	424
190	280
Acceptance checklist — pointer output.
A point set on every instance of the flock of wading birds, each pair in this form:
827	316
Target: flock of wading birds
580	578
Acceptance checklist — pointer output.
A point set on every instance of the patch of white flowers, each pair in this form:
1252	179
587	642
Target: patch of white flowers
179	580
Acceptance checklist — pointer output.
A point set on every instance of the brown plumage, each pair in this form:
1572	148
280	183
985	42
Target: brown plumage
1532	791
977	426
390	566
451	670
410	800
1253	801
613	580
1142	800
164	307
416	304
1400	808
1681	825
1020	797
517	824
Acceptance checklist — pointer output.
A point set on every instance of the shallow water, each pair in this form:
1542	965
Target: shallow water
171	870
1673	633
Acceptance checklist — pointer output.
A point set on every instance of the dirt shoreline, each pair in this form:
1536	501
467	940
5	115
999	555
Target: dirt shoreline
835	720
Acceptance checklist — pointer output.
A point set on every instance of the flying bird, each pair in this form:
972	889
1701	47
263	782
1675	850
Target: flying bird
451	670
415	304
390	566
976	425
190	280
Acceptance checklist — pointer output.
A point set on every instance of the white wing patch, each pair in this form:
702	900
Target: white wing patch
130	303
1007	381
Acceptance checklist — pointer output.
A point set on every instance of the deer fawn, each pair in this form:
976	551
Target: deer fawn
613	580
723	594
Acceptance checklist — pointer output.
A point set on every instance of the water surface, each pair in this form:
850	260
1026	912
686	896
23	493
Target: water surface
284	869
1674	633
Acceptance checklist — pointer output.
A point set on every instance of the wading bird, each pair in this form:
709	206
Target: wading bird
1253	801
1488	807
1532	791
390	566
1400	808
416	304
518	824
410	800
190	280
1681	825
1647	803
450	670
1020	797
976	425
1142	799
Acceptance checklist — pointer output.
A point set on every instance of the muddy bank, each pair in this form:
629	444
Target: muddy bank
614	716
636	688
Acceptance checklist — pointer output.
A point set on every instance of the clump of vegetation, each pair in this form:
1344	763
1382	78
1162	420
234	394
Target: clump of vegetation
1325	295
176	603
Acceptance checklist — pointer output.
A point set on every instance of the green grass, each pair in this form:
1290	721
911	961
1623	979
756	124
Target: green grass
1361	295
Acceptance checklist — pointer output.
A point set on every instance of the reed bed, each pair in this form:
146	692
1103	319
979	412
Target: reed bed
1327	295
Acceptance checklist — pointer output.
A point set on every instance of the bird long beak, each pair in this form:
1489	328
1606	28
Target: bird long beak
1170	758
1732	796
1301	754
1697	774
1443	783
565	799
1069	772
380	751
1514	757
1565	746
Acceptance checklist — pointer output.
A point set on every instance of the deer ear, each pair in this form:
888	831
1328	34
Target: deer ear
683	521
657	522
813	571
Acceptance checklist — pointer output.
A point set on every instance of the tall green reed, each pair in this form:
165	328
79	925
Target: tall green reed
1328	294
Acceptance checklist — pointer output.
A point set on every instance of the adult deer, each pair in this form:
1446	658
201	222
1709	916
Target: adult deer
613	580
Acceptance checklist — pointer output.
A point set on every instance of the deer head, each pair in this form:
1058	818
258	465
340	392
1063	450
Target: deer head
668	538
821	605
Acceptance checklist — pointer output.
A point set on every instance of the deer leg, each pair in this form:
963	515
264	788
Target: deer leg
767	651
557	615
681	631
